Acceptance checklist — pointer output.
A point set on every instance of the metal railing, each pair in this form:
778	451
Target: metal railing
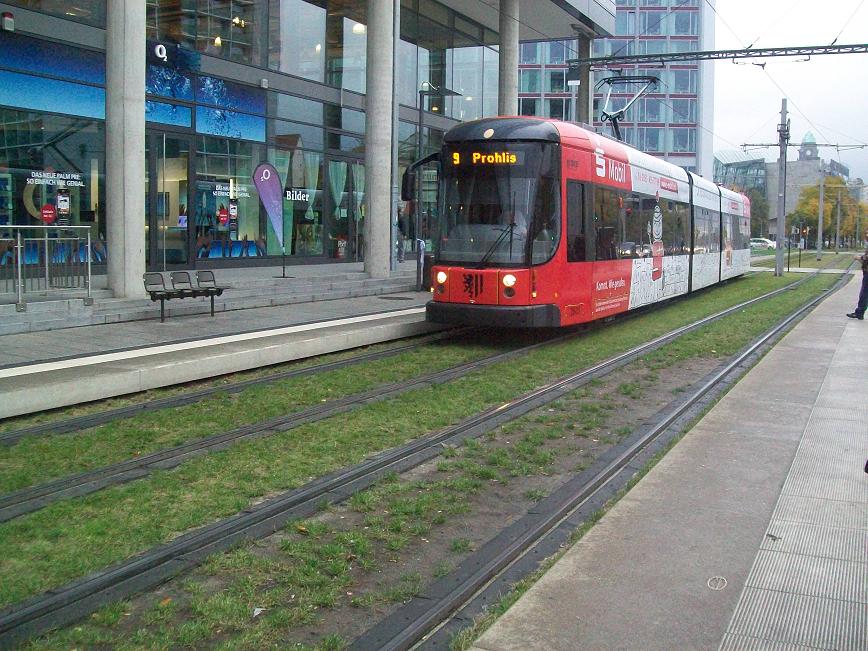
45	260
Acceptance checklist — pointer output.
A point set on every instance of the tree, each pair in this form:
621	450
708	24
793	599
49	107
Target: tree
807	210
759	213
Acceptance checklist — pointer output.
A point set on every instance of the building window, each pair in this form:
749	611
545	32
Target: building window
683	111
616	47
650	139
555	81
529	53
529	81
90	12
229	29
225	167
42	155
558	108
615	104
346	47
682	46
656	46
629	135
661	74
650	110
528	105
685	23
683	81
467	79
556	52
683	140
296	38
625	23
653	23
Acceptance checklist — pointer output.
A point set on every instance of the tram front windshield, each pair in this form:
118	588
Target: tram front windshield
500	204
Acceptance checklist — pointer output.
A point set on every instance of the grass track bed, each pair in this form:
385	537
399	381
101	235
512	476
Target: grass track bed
40	459
69	539
89	408
316	574
809	260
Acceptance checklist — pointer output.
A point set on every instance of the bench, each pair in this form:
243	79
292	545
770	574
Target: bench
182	287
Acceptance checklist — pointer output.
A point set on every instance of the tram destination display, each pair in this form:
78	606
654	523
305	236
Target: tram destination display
482	158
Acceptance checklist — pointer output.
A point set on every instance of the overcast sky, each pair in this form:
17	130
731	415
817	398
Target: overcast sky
827	95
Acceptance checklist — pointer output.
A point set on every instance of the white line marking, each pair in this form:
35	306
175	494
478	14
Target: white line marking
45	367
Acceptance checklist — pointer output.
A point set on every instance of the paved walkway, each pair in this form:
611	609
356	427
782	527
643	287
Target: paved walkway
750	534
55	368
32	347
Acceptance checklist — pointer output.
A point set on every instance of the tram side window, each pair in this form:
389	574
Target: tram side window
575	222
635	242
609	223
634	226
728	243
546	226
739	229
711	234
676	229
744	227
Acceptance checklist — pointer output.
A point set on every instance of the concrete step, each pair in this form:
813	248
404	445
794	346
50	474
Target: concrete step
255	293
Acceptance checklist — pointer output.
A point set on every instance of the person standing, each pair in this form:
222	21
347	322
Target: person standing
859	312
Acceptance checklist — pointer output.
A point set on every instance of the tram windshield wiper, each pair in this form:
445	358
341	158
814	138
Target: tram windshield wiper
508	230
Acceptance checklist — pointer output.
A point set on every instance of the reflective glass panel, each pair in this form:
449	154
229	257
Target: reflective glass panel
41	154
346	44
41	94
296	37
91	12
528	80
224	184
178	116
33	55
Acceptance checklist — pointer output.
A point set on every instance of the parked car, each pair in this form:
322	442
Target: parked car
761	243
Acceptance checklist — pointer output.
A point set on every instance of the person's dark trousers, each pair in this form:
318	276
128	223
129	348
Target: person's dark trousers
863	297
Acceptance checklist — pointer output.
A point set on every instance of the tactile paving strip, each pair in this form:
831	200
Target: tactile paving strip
808	587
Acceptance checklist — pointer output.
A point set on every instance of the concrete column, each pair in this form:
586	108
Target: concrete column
584	94
507	96
378	138
125	146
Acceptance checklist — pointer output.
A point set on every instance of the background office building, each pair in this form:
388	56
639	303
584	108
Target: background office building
745	171
675	121
148	118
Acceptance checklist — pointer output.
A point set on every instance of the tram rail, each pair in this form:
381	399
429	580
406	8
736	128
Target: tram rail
67	603
423	623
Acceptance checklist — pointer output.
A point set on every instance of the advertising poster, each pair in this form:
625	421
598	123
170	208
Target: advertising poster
233	219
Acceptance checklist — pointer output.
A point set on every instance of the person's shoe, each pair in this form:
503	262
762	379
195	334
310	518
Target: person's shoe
853	315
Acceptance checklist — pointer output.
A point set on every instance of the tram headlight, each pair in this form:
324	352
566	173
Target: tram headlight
509	280
441	277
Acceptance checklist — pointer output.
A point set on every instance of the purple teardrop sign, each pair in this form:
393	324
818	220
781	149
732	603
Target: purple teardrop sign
270	188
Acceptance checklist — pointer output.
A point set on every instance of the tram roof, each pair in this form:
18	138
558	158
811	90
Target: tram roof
547	130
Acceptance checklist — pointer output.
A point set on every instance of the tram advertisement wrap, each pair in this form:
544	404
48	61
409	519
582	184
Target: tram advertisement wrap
611	291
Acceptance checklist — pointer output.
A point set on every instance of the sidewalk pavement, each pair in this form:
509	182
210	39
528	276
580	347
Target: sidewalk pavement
750	534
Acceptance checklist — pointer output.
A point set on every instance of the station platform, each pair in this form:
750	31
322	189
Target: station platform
45	369
751	533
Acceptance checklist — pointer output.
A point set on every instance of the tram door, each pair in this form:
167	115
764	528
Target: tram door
168	208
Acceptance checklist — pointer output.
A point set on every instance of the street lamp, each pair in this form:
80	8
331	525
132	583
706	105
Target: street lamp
426	90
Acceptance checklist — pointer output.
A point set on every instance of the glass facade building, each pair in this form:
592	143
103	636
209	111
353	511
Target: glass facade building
673	122
205	134
230	84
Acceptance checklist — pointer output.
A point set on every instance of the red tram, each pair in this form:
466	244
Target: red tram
544	224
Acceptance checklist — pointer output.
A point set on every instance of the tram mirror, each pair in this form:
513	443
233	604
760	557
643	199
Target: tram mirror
408	185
